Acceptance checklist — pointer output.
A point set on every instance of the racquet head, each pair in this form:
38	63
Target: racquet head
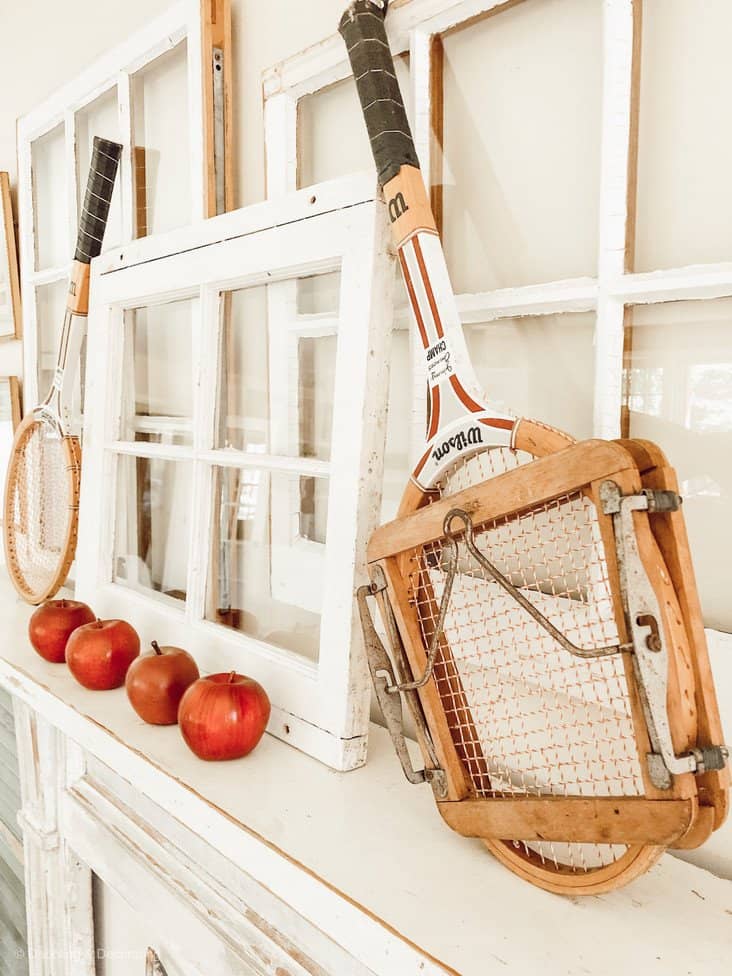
42	483
488	599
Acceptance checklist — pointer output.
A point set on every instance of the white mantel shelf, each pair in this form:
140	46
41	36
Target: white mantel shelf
366	853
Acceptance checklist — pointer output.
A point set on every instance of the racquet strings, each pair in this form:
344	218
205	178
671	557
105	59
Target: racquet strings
39	506
526	716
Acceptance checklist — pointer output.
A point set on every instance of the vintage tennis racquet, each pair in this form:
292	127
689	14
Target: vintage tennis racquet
535	631
42	485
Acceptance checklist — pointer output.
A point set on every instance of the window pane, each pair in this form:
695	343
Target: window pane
152	524
319	294
50	309
679	393
162	167
316	364
49	200
259	548
684	208
158	372
276	387
99	118
540	367
522	101
332	139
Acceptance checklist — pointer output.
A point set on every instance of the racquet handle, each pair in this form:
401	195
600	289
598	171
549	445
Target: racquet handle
99	187
362	29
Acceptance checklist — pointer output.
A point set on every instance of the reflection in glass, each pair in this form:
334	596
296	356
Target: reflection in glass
152	524
264	576
158	373
684	199
276	387
161	157
316	362
319	294
521	145
50	308
539	366
332	139
679	394
99	118
49	195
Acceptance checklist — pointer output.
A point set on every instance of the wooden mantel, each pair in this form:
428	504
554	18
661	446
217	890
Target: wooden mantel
365	858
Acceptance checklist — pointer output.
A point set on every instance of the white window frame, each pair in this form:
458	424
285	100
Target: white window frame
184	20
322	709
412	27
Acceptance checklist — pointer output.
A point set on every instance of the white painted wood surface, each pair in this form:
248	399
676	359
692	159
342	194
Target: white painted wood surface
320	707
365	858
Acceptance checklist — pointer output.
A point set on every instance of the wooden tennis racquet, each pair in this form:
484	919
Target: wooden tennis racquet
535	631
42	485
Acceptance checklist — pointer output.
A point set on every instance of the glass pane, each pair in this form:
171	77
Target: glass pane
152	523
99	118
265	578
521	169
158	369
679	394
319	294
316	365
398	425
332	139
49	200
276	387
684	208
162	167
540	367
50	311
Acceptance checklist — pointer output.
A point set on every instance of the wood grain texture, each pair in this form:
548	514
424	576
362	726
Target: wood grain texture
581	820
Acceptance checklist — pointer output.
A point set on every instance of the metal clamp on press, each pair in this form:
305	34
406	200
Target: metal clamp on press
389	681
650	655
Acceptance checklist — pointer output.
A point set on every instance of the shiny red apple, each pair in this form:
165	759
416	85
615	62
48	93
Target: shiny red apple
53	623
99	654
223	716
156	683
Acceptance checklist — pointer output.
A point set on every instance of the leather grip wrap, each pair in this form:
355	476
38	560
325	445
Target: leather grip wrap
362	29
99	187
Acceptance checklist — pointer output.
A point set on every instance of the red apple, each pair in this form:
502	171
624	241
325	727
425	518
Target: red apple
99	654
53	623
156	682
223	716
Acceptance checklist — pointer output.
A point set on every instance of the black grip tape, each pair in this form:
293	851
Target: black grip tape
362	29
99	187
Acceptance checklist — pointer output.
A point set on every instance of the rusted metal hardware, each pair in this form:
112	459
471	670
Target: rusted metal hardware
650	657
388	677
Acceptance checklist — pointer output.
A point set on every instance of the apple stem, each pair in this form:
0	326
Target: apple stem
231	677
156	647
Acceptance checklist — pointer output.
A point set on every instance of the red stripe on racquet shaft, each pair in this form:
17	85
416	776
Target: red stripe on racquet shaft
499	422
464	397
434	422
413	298
475	407
428	287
